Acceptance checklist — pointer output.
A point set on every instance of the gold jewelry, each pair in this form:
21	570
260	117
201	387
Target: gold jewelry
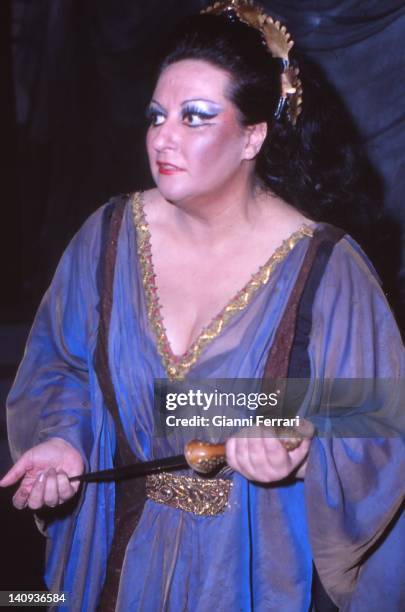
201	496
279	44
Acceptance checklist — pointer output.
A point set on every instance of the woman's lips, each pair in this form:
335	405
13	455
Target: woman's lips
165	168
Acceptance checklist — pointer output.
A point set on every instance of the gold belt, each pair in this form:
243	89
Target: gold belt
201	496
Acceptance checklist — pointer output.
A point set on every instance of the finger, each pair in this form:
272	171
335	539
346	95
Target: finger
230	452
300	459
295	460
20	497
241	460
16	472
256	453
51	495
269	458
261	468
36	497
298	455
276	454
66	489
305	428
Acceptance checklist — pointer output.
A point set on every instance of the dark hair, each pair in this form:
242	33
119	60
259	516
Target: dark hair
317	166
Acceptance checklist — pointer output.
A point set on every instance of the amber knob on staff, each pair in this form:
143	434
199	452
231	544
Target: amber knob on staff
204	457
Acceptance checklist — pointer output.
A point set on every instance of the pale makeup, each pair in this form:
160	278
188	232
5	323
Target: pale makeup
195	142
193	113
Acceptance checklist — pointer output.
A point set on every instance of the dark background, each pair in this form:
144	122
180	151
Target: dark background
76	77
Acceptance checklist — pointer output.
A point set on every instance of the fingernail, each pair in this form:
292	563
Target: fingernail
19	505
41	477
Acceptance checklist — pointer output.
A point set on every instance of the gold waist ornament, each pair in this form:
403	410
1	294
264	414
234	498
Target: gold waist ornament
200	496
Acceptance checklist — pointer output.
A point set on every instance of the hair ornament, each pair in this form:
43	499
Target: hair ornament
279	44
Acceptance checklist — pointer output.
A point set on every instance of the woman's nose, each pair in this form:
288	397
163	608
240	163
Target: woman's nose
166	136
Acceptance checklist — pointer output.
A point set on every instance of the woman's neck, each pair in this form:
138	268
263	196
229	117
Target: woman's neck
214	218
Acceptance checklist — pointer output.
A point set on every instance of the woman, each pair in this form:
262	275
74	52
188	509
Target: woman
223	114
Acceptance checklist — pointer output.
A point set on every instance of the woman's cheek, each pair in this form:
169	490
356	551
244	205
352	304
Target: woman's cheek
208	148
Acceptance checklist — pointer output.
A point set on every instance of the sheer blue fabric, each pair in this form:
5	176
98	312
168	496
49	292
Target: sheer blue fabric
258	554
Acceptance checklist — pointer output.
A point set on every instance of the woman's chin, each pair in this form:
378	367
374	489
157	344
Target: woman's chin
171	192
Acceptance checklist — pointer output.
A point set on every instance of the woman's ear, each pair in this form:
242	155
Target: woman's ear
255	137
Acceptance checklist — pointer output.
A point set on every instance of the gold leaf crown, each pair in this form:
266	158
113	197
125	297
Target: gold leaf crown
279	44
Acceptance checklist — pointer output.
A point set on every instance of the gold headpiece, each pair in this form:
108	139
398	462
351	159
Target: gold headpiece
278	42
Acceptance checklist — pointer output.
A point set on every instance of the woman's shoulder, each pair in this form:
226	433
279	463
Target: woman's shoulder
351	316
87	242
279	223
154	205
94	223
350	282
347	255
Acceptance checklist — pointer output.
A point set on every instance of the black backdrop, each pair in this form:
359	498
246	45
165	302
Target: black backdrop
77	81
76	76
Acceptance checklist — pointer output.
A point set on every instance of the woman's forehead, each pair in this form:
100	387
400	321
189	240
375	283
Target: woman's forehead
193	79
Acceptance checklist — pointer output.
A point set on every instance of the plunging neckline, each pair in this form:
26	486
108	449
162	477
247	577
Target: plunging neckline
178	366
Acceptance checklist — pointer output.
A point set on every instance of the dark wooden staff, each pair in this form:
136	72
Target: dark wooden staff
202	457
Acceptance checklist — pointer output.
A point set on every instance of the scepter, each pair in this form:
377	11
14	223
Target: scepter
202	457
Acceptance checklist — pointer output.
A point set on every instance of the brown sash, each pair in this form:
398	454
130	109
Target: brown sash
279	358
130	495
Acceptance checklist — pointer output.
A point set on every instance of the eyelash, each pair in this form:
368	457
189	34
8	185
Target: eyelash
192	111
152	115
189	112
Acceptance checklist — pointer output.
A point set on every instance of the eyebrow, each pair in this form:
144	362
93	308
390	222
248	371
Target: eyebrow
216	104
155	103
201	100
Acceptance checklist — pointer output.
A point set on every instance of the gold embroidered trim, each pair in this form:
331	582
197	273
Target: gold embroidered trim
201	496
176	366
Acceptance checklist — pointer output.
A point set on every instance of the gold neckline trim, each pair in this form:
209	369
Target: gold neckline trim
177	367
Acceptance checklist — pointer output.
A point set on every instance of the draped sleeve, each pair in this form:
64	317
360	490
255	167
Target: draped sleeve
51	394
354	486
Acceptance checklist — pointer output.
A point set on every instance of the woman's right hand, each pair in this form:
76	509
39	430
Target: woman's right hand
45	470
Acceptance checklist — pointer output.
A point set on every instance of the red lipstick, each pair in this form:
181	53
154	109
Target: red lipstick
168	169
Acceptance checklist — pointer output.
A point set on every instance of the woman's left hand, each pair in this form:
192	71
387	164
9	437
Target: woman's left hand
261	456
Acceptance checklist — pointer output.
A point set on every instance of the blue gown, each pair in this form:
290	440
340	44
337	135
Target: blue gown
258	554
